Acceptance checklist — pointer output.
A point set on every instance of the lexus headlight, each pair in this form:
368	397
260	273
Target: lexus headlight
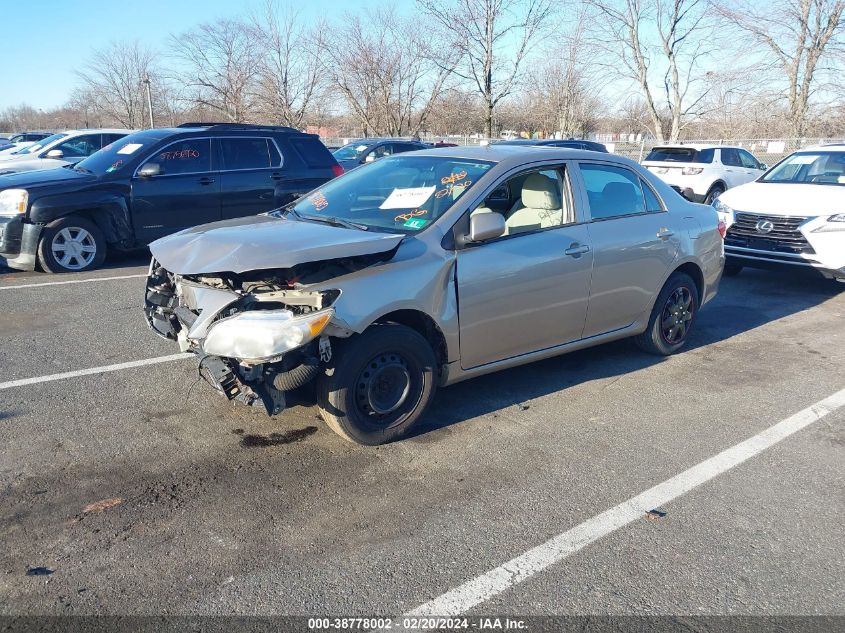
721	207
834	223
264	335
13	201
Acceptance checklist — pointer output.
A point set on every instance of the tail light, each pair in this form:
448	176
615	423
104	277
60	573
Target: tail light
722	228
692	171
337	170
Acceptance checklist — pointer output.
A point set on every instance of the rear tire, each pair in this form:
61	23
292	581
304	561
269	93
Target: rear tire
71	244
715	192
731	269
378	384
672	317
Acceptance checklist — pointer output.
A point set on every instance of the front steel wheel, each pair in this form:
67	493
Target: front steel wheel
672	317
378	384
71	244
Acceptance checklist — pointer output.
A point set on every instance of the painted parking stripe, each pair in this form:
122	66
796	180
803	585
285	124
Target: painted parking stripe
93	370
524	566
71	281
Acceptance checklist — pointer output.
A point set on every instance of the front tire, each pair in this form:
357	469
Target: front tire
378	384
672	317
71	244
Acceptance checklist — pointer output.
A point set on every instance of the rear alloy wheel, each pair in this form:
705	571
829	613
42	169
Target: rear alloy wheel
71	244
672	317
715	192
378	385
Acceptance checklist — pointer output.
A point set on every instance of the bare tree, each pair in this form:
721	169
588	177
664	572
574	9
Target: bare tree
799	33
219	65
493	38
387	71
113	83
667	38
289	74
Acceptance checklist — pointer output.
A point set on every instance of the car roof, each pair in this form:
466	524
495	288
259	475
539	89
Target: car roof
98	130
826	147
515	155
697	146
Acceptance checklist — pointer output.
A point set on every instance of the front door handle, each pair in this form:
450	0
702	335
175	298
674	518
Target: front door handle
277	177
576	249
205	180
665	234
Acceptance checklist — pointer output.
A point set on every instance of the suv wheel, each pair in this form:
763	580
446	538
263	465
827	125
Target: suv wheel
71	244
672	317
715	192
379	384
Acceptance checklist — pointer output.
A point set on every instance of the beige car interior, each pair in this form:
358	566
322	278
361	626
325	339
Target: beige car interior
540	204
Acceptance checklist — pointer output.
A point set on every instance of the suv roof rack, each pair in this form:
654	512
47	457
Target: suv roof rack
237	126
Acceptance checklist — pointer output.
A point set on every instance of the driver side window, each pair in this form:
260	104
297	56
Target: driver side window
190	156
530	201
81	146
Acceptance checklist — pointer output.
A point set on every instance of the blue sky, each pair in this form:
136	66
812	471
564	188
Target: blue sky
43	42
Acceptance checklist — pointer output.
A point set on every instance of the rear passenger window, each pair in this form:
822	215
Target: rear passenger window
312	151
705	156
275	156
730	157
190	156
612	191
652	203
245	153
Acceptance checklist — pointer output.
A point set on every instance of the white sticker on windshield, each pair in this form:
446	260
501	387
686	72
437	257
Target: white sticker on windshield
804	159
360	148
129	148
407	198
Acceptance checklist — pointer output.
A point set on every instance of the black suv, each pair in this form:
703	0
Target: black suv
153	183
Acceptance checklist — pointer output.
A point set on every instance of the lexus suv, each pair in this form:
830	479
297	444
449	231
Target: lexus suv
428	268
150	184
792	217
702	173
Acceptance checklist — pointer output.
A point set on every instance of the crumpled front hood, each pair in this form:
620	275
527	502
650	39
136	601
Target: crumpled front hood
786	198
263	242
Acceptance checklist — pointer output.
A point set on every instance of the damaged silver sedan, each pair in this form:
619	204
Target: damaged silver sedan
427	268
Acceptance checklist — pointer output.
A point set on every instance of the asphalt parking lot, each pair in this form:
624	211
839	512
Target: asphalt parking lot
218	509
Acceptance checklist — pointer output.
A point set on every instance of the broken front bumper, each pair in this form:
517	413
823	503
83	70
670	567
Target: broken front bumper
18	242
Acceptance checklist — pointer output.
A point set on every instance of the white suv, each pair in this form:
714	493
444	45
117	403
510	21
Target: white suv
794	216
703	172
58	150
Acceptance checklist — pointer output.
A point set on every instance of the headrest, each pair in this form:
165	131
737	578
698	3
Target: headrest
540	192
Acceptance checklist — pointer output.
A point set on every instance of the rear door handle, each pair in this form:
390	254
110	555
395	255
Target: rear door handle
277	177
577	249
665	234
205	180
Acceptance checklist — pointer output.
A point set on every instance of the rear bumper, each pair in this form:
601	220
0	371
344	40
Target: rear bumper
18	243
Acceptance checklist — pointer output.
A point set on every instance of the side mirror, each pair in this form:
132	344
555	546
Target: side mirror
370	158
486	226
764	166
54	153
149	169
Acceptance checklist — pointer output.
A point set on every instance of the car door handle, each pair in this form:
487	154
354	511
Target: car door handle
577	249
664	234
277	177
205	180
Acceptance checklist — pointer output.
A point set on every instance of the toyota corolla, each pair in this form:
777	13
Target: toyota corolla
431	267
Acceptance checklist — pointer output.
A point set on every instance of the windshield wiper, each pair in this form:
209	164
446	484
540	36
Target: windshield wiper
333	220
81	169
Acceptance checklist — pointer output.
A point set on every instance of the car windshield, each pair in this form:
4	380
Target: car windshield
352	151
117	155
399	194
815	168
675	155
42	143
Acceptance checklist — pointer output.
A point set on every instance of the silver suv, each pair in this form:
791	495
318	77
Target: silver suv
427	268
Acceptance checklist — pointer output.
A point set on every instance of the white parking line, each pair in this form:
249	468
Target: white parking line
93	370
72	281
523	567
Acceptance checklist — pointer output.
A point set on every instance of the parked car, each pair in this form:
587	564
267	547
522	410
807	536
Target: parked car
25	139
702	173
58	150
425	269
366	150
150	184
571	143
792	217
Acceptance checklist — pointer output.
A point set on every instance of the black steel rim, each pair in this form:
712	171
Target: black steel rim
677	316
387	390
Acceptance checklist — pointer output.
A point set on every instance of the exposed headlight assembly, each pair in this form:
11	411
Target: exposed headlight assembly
721	207
264	335
13	201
